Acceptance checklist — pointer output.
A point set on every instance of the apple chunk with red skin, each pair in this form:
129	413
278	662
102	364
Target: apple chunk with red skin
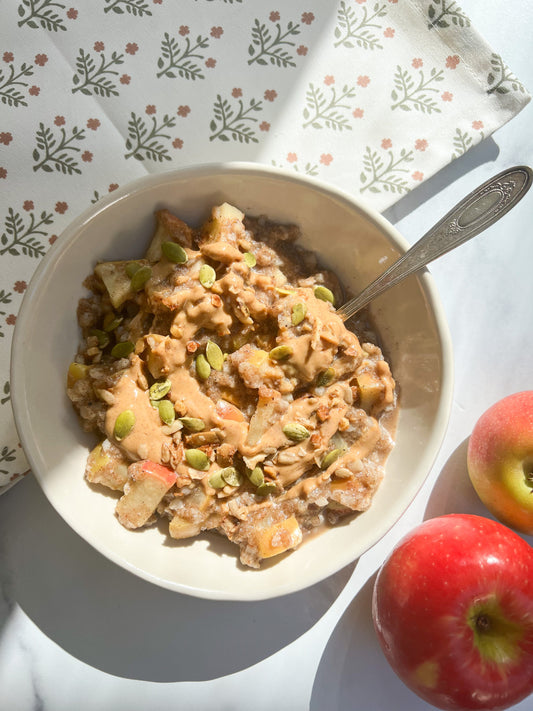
147	483
500	460
453	612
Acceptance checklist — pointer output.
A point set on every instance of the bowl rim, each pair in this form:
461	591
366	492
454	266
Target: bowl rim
69	234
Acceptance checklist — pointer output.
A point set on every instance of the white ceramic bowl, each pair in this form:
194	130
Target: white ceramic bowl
355	241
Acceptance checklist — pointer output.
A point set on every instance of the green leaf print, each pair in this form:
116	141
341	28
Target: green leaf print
6	455
410	93
5	298
10	81
383	172
352	28
461	143
328	111
137	8
94	74
41	14
181	59
232	121
7	392
442	12
274	48
145	142
307	169
53	152
22	238
500	79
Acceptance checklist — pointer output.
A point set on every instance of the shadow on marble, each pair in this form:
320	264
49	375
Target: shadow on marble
110	619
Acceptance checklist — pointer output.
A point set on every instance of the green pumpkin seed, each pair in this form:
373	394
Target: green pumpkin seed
111	321
203	369
280	353
207	276
124	424
285	292
197	459
325	378
159	389
131	268
250	259
166	411
296	432
298	313
103	338
231	476
256	476
174	252
214	355
324	294
122	349
216	480
139	279
266	489
330	457
193	424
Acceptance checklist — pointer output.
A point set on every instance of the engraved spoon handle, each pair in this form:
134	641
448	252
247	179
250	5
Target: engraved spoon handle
480	209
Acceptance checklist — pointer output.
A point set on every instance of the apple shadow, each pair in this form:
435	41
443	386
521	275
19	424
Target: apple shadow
116	622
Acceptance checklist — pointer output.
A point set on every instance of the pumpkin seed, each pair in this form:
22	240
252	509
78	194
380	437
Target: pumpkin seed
103	338
296	432
280	353
266	489
159	389
166	411
132	267
330	457
285	292
139	279
111	321
214	355
197	459
207	276
193	424
325	378
122	349
299	311
250	259
231	476
174	252
324	294
203	369
256	476
124	424
216	480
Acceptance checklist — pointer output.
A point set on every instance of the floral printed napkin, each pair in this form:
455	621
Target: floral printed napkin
373	96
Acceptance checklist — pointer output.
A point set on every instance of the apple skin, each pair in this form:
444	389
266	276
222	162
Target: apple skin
500	460
454	596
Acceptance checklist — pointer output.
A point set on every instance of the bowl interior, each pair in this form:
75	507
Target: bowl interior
356	243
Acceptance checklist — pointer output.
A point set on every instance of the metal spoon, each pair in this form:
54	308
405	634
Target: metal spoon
480	209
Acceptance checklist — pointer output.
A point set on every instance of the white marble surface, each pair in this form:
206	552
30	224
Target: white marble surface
77	632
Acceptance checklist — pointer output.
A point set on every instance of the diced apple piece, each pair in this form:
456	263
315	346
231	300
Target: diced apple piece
76	371
116	281
106	465
222	218
228	411
370	390
147	483
169	228
278	538
182	528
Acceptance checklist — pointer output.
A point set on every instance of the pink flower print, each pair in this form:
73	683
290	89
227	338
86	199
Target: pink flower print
210	62
274	16
61	207
270	95
184	110
302	50
112	187
86	156
125	79
360	2
59	121
358	113
184	30
236	93
177	143
307	18
292	157
132	48
72	14
389	32
386	143
329	80
217	32
34	90
93	124
447	96
264	126
20	287
6	138
150	109
477	125
363	80
452	61
52	239
417	63
417	175
11	320
157	2
99	46
8	57
28	205
326	158
3	173
41	59
393	1
421	144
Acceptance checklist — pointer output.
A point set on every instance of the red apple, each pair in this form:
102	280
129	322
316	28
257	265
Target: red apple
453	611
500	460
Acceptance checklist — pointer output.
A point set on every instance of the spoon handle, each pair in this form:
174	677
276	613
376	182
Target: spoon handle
480	209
